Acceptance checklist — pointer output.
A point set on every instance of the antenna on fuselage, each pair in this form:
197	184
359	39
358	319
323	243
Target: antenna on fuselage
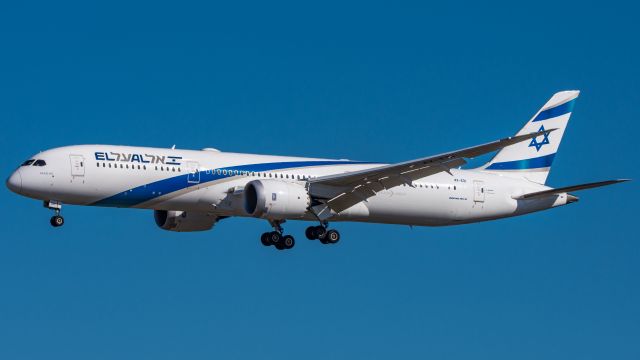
173	147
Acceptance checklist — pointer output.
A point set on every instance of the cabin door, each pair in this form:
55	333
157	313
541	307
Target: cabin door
77	165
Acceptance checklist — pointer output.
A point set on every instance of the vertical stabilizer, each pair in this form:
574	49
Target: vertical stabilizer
532	160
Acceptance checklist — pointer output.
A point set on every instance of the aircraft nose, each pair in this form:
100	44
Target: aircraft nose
14	182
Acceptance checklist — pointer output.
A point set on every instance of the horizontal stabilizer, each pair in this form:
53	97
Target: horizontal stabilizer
540	194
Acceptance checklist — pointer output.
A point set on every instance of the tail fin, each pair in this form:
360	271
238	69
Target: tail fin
532	160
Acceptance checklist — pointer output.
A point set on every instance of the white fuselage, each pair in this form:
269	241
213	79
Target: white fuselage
212	181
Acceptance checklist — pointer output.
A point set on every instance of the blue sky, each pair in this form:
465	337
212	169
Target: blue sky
368	81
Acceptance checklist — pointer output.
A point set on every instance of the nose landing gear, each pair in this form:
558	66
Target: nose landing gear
56	220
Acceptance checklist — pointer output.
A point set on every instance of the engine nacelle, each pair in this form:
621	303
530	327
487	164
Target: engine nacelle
273	199
182	221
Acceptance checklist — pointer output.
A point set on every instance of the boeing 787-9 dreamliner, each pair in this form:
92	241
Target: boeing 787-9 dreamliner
192	190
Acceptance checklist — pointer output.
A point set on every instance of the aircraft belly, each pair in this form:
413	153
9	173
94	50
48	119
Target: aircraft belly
436	207
412	206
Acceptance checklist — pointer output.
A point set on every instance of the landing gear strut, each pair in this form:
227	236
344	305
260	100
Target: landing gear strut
321	233
56	220
276	238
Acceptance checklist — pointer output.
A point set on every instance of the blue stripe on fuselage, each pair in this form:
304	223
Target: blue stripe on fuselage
556	111
535	163
159	188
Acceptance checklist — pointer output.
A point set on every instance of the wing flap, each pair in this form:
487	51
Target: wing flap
362	192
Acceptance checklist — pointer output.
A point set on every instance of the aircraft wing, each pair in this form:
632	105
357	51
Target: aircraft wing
544	193
342	191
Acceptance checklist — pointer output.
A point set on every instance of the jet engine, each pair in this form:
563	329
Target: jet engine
273	199
183	221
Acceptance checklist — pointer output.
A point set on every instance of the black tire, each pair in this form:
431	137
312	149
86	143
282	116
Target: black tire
288	241
310	233
264	239
280	246
332	237
320	231
275	238
56	221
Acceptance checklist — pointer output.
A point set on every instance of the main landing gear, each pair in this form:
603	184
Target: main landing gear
276	238
321	233
284	242
56	220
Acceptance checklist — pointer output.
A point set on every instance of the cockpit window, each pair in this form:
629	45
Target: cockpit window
39	163
28	162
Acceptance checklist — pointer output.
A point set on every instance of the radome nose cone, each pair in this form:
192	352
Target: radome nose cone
14	182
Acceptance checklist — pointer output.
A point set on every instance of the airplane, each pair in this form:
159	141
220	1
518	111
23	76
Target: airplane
192	190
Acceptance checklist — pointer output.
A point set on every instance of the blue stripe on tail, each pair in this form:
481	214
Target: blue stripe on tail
559	110
535	163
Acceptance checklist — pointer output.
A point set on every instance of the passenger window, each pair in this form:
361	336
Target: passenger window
39	163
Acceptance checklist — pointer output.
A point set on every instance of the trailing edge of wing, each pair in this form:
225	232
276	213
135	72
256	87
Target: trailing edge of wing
540	194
